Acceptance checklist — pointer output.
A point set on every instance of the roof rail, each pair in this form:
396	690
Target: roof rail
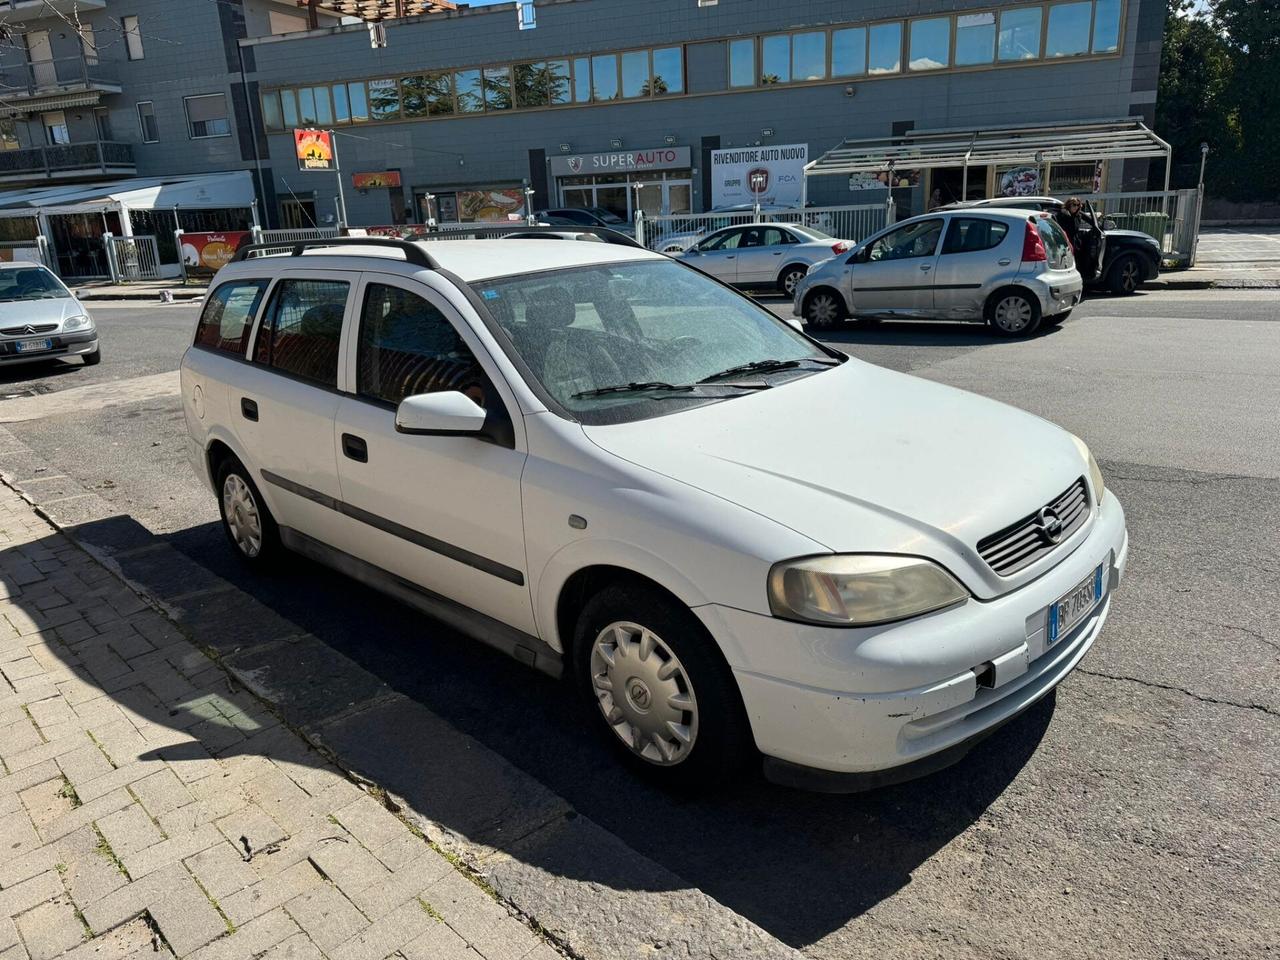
505	229
413	253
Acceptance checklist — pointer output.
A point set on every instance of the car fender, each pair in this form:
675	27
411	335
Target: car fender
579	555
219	433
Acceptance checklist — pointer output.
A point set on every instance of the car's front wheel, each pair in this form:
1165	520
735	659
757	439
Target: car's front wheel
823	309
1013	313
658	689
248	524
1125	275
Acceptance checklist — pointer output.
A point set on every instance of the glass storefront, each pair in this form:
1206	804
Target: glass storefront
661	192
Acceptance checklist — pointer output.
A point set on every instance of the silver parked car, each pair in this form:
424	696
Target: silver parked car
1008	268
40	319
763	254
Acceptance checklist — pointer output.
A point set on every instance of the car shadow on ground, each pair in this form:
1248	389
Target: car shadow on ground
799	865
24	373
922	333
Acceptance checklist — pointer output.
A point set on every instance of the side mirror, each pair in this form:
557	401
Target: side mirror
434	414
859	255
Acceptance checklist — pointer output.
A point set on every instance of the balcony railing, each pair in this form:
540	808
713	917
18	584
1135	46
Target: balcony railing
15	11
67	159
34	77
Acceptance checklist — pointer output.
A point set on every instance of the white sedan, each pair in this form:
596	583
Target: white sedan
763	254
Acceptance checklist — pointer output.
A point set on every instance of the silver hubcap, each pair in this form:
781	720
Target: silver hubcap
1013	314
241	511
791	281
644	693
822	310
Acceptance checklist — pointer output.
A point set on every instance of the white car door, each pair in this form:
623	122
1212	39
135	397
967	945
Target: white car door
443	512
283	402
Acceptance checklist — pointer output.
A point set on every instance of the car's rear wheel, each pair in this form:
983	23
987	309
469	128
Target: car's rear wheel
791	278
1125	275
658	689
823	309
248	524
1013	313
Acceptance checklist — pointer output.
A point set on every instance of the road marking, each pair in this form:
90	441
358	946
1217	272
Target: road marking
92	397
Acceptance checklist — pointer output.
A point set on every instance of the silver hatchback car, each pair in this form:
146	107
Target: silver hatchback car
1008	268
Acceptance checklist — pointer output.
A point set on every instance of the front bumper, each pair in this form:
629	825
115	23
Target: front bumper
64	345
866	702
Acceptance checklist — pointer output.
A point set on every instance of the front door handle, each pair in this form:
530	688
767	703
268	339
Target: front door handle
926	266
354	448
249	409
1004	261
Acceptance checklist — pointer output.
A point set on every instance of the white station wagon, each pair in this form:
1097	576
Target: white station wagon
734	540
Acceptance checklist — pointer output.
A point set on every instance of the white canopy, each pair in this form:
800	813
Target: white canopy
202	191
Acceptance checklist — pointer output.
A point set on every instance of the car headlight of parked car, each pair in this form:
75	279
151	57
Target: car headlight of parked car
1095	472
81	322
860	589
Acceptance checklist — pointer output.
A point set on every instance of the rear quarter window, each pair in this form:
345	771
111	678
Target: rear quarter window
228	315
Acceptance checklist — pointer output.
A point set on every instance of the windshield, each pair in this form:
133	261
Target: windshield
655	325
30	283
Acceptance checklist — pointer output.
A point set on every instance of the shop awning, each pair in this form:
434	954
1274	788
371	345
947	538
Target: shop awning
924	149
374	10
206	191
59	101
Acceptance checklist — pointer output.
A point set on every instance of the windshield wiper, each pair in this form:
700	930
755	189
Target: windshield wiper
767	366
635	388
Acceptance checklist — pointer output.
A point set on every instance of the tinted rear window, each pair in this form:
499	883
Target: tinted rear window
228	316
1056	244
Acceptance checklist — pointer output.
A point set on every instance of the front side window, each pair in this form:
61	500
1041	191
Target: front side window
742	63
725	240
408	347
930	43
1020	34
207	116
973	234
582	329
907	242
884	48
301	329
147	122
1068	31
228	316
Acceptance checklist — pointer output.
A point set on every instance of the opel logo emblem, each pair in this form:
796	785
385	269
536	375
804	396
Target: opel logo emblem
1049	525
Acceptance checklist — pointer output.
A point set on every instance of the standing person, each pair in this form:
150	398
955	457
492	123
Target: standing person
1068	218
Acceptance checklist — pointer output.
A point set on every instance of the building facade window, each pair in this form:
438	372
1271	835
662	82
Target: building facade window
147	122
132	37
1067	34
1106	26
884	48
975	39
742	63
207	116
1020	34
849	52
930	44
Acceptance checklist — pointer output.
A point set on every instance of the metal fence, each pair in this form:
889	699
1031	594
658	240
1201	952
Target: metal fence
281	240
132	259
36	250
1171	218
672	234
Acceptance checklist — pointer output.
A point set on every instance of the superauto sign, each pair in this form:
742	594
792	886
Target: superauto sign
622	161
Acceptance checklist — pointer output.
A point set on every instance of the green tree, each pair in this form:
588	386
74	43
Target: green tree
1251	29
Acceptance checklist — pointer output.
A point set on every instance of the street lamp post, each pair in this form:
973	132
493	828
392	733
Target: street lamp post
1204	155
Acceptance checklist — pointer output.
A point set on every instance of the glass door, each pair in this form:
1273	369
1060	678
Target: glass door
678	197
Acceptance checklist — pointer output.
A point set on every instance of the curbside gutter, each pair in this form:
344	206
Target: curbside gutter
572	880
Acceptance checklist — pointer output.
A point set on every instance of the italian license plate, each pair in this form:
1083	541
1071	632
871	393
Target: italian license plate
33	346
1075	605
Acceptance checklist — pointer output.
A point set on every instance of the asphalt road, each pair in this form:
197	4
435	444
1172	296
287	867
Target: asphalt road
1136	814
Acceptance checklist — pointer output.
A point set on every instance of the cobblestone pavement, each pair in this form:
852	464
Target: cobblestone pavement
150	806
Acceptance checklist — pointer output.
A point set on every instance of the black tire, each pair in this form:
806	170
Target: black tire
1124	276
824	308
268	548
92	359
721	744
789	277
1010	304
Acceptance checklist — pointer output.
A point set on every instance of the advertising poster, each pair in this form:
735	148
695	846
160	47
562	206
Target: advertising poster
1020	182
771	176
314	149
486	205
207	253
376	181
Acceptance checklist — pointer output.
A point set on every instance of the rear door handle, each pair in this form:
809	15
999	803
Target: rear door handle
1004	261
249	408
354	448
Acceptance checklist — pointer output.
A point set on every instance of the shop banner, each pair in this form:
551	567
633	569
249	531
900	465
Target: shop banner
314	149
375	181
622	161
490	205
773	176
207	253
1020	182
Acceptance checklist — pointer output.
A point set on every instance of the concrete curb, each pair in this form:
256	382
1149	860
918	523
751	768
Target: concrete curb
596	897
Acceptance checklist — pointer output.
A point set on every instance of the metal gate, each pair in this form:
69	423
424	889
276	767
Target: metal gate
133	259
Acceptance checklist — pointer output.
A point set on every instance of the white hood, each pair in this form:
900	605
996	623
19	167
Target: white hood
17	313
862	459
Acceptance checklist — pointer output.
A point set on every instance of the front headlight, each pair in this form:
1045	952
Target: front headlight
860	589
1095	472
76	323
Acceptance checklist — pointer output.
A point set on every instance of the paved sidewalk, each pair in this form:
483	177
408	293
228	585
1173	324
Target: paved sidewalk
148	290
151	806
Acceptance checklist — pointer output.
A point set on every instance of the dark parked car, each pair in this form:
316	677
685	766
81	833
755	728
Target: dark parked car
1129	258
583	216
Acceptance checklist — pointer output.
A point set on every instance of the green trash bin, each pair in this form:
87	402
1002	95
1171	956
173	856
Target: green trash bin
1122	220
1152	224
